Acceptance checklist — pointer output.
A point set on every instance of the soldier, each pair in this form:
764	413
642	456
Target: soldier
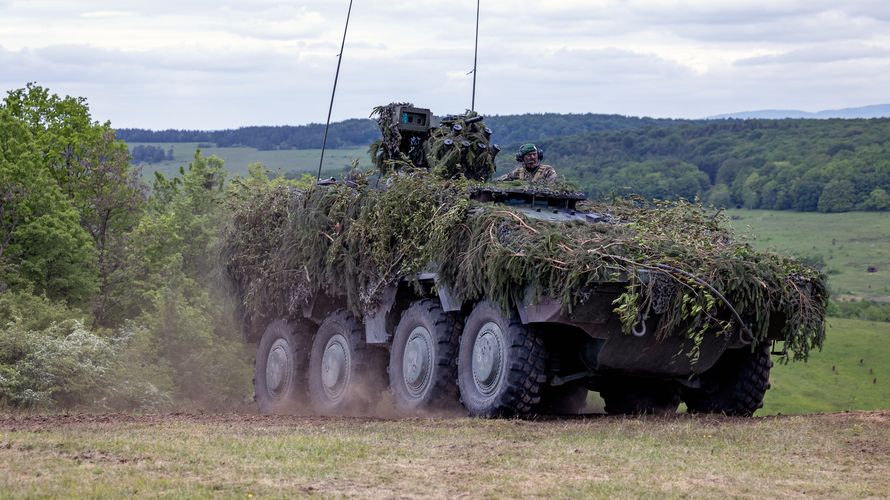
530	167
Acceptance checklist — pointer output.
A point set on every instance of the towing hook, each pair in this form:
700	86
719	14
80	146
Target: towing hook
639	328
746	335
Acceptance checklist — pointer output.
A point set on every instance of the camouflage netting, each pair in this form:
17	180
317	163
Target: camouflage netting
679	260
459	147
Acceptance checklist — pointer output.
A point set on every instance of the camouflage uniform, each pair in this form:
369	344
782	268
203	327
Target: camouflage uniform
541	173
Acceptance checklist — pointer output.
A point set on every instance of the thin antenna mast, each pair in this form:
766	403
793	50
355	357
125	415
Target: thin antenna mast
327	124
475	56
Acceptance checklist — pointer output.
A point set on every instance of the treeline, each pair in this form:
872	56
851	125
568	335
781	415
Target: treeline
345	134
804	165
508	129
514	130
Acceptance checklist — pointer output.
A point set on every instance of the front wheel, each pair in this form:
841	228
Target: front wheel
501	364
735	385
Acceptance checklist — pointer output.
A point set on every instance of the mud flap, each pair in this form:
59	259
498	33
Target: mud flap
375	322
672	356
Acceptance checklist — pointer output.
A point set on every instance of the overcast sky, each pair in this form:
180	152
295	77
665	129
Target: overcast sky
211	64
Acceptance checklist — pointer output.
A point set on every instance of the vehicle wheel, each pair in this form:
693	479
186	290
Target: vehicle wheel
423	361
735	385
345	375
641	397
500	364
279	380
568	399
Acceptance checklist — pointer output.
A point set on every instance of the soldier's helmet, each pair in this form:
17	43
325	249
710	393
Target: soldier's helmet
529	148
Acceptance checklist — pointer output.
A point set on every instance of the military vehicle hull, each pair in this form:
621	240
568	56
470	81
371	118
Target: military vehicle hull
503	300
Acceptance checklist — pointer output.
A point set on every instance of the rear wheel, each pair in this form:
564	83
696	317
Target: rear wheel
501	364
735	386
345	374
641	397
279	380
423	361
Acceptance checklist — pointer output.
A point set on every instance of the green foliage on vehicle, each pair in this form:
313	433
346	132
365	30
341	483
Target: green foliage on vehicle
347	240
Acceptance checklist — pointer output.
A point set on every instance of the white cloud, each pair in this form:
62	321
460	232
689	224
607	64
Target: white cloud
817	54
225	63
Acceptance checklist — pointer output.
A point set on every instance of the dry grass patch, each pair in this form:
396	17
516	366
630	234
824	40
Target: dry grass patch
236	455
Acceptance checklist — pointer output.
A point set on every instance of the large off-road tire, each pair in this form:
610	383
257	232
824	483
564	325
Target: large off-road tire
423	360
501	364
568	399
282	357
641	397
345	374
735	385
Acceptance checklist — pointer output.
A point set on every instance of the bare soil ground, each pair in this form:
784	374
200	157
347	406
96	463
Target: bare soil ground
194	454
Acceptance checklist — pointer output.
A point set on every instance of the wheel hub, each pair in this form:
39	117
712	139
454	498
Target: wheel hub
335	366
488	358
278	365
417	361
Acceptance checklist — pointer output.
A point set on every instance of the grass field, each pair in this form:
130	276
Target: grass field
237	159
852	372
849	243
842	455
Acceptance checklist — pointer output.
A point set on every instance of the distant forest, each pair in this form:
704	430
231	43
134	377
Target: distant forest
790	164
804	165
508	129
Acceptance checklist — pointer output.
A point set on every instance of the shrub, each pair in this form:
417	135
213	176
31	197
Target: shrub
64	364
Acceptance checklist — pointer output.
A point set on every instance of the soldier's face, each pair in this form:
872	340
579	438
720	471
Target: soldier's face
530	159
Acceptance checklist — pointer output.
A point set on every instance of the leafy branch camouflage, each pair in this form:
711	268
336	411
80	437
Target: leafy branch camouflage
459	147
285	245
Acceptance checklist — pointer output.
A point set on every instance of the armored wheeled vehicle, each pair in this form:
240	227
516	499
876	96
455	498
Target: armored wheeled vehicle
430	282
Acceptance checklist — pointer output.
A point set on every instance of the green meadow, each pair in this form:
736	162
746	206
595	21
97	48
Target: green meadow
852	372
850	244
237	159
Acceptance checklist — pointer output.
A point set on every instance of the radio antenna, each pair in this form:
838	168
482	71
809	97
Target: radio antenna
475	57
327	124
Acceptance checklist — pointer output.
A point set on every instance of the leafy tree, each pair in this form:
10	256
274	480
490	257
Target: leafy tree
806	195
62	128
112	199
91	169
878	199
149	154
751	190
42	245
718	196
837	196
